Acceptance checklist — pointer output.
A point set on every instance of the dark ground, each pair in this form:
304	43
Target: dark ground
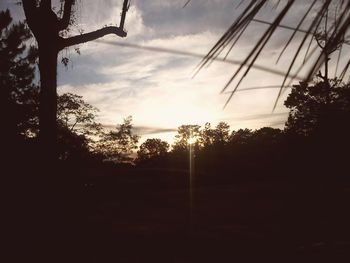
135	215
145	216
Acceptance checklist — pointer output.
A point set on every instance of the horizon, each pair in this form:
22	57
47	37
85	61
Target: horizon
159	89
185	131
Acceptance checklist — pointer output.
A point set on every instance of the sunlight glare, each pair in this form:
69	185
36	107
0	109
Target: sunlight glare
191	140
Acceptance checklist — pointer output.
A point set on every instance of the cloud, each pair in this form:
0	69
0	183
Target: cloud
92	15
144	130
157	88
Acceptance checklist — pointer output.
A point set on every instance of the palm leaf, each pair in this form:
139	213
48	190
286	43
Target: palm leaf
236	31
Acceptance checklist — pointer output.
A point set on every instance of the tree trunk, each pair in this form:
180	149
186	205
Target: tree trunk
46	27
48	100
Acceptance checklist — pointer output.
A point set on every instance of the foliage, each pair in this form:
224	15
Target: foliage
317	108
241	136
218	136
20	97
221	134
50	31
18	94
152	149
72	146
185	134
118	145
76	119
207	134
75	114
77	126
266	135
217	148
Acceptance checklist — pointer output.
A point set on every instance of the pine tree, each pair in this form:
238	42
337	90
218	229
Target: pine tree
17	72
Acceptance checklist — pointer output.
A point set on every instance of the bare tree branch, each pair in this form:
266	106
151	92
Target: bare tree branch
126	5
83	38
64	22
73	126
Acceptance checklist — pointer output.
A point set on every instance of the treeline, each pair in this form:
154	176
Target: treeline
315	138
213	148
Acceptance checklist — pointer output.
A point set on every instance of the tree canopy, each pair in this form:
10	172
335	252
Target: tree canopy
49	29
17	72
118	145
319	107
152	149
185	133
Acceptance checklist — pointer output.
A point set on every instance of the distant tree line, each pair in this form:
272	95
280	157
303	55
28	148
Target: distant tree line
315	140
315	135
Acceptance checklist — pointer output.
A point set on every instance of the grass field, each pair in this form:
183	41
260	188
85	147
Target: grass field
147	216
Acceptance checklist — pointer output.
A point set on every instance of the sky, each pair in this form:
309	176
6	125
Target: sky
159	89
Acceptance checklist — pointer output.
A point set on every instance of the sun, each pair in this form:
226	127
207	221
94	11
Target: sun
191	140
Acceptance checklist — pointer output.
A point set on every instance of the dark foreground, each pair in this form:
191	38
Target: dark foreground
136	215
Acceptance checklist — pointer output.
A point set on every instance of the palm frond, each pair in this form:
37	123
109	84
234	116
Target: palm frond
313	15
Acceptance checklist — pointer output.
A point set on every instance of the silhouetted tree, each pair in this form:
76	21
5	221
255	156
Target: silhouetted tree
152	149
267	135
242	136
185	133
72	146
20	99
75	114
320	108
206	138
118	146
219	135
48	30
77	127
17	69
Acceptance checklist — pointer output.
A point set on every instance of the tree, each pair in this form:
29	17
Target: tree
72	146
48	30
221	133
214	137
118	146
152	149
267	135
75	114
76	122
314	108
206	138
17	68
267	144
77	127
318	126
241	137
20	99
320	108
186	134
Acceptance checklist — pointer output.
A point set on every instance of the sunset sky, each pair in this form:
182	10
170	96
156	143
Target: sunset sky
158	88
